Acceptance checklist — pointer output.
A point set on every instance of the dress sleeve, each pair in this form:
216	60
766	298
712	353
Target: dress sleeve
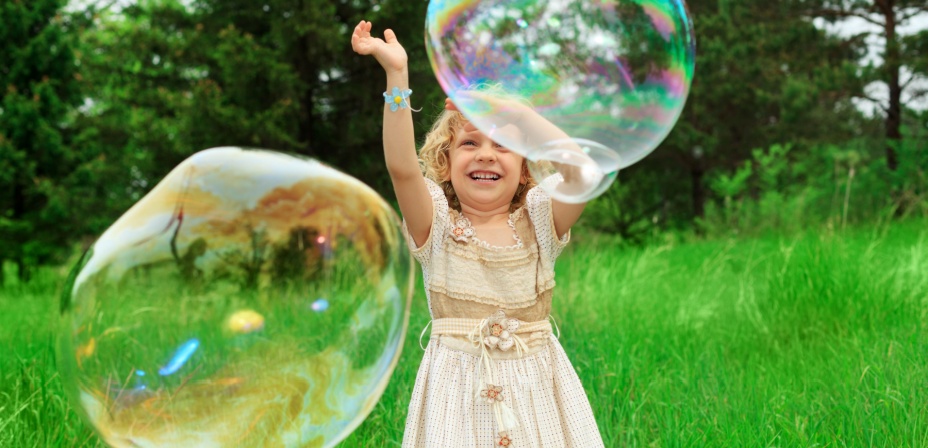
423	253
538	203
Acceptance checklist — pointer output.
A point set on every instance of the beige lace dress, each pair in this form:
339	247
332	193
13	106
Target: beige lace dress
493	373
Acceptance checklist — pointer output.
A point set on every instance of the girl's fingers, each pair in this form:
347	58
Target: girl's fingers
362	28
360	36
389	36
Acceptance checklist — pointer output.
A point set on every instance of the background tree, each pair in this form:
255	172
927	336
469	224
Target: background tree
38	89
100	102
902	64
169	79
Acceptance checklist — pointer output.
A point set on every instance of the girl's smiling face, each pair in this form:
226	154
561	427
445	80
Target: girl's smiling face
485	175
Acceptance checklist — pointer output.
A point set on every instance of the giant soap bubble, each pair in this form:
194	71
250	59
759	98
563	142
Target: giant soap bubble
195	321
607	78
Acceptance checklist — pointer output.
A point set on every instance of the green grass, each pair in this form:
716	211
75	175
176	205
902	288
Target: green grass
812	340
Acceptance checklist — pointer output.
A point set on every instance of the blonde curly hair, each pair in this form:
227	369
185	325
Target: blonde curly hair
434	157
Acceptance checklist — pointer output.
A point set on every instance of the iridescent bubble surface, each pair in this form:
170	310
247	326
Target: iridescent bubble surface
611	76
195	319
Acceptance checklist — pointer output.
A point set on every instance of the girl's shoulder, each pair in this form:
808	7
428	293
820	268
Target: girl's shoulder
434	189
537	204
539	211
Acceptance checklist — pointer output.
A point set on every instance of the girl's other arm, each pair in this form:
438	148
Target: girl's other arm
539	129
399	145
565	215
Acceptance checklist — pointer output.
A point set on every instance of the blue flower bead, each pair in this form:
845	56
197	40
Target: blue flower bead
397	99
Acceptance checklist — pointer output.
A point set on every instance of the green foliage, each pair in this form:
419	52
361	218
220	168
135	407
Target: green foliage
165	79
909	182
730	186
829	186
37	90
916	47
100	103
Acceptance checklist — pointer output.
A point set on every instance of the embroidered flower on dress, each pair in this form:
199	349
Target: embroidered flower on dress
504	440
397	99
501	329
492	393
462	230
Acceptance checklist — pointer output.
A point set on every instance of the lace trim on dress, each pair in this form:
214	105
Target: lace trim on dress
510	302
462	230
512	257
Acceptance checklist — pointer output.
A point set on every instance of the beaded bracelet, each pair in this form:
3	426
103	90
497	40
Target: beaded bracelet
399	99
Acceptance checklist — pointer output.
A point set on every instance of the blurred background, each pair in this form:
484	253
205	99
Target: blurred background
802	113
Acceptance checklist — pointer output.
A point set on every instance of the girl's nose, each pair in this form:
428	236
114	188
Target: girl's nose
486	153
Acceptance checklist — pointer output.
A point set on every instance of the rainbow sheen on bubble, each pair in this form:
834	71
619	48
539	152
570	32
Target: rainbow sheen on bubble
613	76
250	299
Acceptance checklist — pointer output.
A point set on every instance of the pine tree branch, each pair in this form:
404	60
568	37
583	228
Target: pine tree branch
877	102
835	13
918	10
97	8
909	81
918	94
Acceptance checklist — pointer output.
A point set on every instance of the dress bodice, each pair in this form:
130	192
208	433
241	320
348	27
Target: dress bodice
467	278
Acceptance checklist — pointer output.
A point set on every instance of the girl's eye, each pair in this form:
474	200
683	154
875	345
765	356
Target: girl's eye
469	143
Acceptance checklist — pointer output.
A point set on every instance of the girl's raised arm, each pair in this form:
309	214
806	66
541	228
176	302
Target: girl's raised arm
399	144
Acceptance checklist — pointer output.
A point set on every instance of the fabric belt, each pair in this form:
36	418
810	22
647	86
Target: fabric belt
463	327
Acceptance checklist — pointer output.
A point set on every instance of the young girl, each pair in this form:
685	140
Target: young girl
493	373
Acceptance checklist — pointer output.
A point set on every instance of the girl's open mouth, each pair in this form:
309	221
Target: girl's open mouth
484	176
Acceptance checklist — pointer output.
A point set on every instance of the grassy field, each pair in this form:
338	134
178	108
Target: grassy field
816	340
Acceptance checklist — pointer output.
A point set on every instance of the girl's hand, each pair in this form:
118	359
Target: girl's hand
388	51
500	111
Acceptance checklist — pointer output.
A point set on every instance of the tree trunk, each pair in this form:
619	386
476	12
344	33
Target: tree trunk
309	73
22	268
698	191
306	136
19	213
894	111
